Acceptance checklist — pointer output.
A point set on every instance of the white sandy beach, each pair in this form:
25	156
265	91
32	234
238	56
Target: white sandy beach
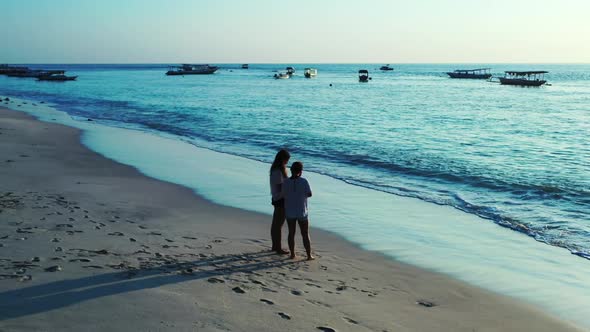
87	244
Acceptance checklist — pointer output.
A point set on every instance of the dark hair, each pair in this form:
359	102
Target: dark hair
281	158
296	168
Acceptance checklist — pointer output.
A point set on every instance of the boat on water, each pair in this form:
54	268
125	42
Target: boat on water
479	73
310	72
290	71
56	75
9	70
524	78
364	76
36	73
281	76
187	69
386	68
245	66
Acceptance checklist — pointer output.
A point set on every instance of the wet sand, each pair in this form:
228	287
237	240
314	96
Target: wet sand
90	244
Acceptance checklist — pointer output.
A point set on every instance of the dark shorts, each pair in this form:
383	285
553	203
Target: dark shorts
278	203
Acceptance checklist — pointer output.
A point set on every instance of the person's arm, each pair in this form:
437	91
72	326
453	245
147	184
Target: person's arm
276	179
309	194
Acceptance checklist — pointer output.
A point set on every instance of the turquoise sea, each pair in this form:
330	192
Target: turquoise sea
504	172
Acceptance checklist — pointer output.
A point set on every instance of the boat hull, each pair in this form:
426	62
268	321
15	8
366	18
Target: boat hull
470	76
521	82
192	72
59	79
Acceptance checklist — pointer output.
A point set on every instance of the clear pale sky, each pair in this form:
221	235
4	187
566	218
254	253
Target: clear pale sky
301	31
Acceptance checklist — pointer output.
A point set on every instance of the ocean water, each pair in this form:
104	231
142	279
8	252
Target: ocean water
518	157
439	237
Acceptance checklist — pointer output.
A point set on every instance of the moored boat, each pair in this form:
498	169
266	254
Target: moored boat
281	76
37	73
245	66
524	78
364	76
187	69
290	71
479	73
310	72
8	70
56	77
386	68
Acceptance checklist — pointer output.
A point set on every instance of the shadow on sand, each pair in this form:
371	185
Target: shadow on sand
63	293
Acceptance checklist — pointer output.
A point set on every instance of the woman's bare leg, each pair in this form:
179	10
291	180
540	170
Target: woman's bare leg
276	228
304	226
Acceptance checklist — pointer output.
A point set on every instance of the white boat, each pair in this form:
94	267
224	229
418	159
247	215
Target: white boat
187	69
282	76
310	72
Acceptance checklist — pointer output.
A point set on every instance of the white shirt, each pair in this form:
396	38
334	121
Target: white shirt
296	191
276	179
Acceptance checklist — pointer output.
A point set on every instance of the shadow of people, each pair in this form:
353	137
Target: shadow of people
63	293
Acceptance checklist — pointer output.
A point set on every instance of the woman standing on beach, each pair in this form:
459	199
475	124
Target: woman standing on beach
278	173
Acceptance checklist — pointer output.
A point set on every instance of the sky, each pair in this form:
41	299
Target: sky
295	31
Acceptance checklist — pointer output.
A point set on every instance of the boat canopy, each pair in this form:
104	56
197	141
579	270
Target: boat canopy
471	70
524	73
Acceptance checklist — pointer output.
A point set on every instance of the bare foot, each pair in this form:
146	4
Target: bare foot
293	256
310	257
281	252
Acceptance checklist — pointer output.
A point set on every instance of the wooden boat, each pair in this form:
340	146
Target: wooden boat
310	72
480	73
281	76
245	66
8	70
187	69
364	76
290	71
56	77
386	68
37	73
524	78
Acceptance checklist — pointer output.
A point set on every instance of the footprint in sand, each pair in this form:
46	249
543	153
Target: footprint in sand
350	320
216	281
269	302
54	268
297	292
117	234
320	303
238	290
284	315
84	260
326	329
426	304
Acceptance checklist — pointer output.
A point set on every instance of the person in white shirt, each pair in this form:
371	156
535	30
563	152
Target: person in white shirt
296	191
278	173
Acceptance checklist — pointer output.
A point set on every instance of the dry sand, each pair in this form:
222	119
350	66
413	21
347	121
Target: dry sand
87	244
